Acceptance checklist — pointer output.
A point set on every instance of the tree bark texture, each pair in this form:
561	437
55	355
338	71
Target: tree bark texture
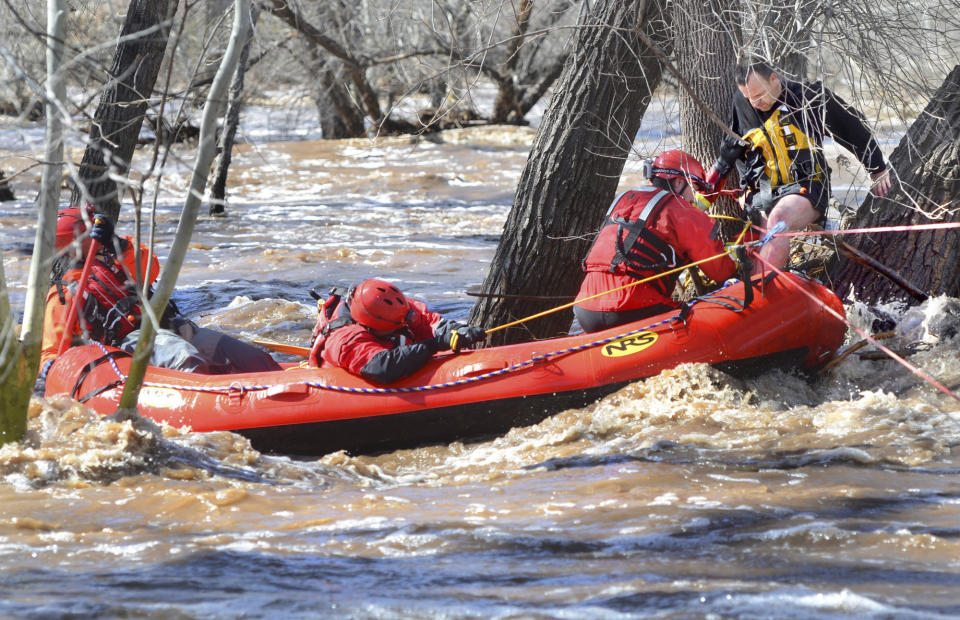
120	113
706	59
705	33
926	187
573	170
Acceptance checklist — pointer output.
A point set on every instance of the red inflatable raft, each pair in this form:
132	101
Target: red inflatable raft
472	394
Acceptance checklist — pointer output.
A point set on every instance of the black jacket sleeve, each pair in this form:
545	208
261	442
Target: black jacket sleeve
393	364
849	128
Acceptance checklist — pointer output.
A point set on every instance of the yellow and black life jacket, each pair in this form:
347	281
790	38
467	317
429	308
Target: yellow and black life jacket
787	155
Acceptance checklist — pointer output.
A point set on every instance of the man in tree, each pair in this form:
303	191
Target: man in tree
780	158
647	231
372	330
110	311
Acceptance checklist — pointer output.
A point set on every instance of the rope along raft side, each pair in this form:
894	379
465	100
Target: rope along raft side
237	387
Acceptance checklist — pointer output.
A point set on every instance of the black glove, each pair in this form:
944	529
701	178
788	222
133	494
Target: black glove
730	152
470	335
444	337
102	231
442	341
754	214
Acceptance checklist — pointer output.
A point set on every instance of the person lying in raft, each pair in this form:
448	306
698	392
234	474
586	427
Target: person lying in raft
372	330
110	312
648	231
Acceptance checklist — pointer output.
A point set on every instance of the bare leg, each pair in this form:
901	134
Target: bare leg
797	212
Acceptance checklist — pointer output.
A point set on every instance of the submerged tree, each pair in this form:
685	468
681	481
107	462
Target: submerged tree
574	166
218	189
927	164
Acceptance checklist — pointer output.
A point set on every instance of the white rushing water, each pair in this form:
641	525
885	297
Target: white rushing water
688	495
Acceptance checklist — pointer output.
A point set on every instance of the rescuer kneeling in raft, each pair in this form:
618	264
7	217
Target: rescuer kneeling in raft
648	231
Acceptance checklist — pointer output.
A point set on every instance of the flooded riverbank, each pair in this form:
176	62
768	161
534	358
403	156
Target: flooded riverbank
688	495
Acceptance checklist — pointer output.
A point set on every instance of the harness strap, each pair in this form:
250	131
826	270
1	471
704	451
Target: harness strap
738	305
651	255
60	292
89	368
337	323
100	390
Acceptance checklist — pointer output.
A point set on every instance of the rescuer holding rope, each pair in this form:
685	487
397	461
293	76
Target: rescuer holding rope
648	231
374	331
780	158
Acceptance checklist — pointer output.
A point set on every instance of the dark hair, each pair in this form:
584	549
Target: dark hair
753	64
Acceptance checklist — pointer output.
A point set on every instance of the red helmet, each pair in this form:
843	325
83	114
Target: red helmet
70	224
680	164
379	306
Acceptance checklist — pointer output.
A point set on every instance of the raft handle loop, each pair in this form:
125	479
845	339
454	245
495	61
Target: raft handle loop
235	392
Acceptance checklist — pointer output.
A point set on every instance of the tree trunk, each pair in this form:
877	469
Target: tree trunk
19	357
16	373
218	191
213	108
5	192
339	117
926	187
506	106
785	37
544	80
706	60
119	116
705	32
573	169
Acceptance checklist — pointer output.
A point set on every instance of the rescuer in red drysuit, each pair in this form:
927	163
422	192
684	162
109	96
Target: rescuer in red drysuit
110	312
374	331
648	231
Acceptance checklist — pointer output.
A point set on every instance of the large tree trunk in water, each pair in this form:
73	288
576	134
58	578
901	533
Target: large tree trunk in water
5	192
573	170
705	35
706	60
339	117
927	187
119	116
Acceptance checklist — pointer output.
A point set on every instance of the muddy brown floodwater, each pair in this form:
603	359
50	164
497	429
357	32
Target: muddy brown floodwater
692	494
